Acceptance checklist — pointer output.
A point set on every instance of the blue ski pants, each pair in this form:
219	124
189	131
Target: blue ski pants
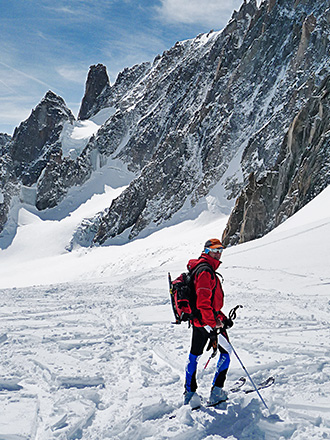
198	343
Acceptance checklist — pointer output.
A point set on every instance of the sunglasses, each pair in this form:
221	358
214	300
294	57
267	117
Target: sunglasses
216	250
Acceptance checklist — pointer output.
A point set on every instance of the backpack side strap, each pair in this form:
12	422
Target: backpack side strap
201	267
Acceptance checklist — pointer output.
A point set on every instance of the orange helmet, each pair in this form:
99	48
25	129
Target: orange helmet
213	245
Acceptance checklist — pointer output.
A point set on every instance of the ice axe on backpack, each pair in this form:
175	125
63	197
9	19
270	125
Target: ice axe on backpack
176	315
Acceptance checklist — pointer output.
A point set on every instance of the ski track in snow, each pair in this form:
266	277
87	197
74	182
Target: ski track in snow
98	358
96	361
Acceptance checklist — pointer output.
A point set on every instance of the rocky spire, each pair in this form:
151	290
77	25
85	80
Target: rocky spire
30	139
97	82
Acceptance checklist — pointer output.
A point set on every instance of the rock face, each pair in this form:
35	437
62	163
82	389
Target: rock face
4	139
37	138
207	104
301	172
8	187
35	142
58	175
97	84
218	111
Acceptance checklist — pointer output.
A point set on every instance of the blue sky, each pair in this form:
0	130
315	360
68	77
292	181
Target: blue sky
49	45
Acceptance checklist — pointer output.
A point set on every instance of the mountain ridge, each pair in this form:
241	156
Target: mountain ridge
205	114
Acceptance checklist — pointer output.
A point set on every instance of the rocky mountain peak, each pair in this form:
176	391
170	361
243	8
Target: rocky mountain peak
224	114
32	140
229	98
97	82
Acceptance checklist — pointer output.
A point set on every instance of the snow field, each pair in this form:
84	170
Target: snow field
96	357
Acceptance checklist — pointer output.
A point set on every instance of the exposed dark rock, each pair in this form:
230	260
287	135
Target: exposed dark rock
4	139
34	140
26	154
97	83
302	171
126	81
9	187
59	175
207	101
212	112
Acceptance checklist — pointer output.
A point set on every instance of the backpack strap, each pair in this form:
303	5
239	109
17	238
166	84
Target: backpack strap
201	267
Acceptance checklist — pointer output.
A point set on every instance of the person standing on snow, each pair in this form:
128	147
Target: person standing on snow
209	302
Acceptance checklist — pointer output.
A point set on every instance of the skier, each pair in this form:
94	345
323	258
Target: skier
209	302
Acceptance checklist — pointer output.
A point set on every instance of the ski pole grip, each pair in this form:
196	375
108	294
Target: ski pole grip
232	313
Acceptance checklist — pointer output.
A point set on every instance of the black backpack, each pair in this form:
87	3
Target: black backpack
183	293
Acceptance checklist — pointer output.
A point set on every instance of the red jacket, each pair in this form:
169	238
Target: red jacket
204	285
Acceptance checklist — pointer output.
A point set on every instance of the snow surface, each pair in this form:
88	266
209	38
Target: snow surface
75	136
88	349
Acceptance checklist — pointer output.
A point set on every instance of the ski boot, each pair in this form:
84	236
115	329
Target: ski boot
191	398
217	396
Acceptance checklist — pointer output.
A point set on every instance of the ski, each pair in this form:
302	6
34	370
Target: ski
214	405
237	387
261	385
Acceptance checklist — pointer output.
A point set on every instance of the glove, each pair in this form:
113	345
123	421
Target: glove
227	323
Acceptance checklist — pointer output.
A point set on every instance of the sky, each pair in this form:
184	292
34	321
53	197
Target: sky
47	45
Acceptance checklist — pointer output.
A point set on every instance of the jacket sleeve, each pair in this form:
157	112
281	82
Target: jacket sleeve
203	285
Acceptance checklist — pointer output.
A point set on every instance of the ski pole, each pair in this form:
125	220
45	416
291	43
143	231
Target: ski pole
212	356
208	361
250	378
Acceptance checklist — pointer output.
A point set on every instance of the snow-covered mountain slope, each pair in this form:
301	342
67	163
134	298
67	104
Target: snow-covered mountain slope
88	350
300	173
222	101
199	118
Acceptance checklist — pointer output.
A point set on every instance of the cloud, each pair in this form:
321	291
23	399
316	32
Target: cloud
74	74
20	91
7	86
58	41
130	49
26	75
83	11
214	13
63	10
12	112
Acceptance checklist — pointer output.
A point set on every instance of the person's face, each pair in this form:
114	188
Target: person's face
216	254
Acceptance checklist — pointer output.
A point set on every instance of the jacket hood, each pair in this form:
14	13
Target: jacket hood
203	258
